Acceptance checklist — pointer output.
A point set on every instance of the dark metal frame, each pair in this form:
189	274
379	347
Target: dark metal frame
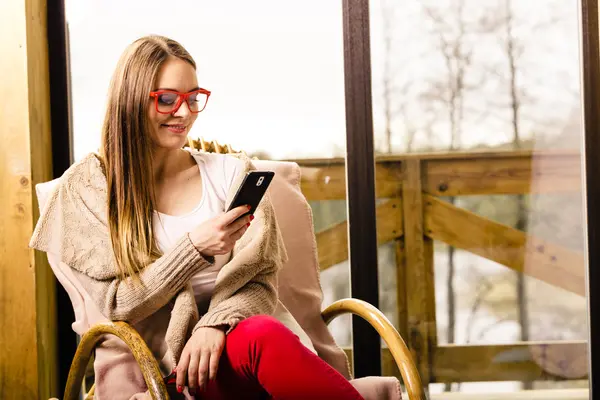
360	178
61	160
590	51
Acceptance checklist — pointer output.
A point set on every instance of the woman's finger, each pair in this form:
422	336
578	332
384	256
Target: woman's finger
214	364
229	217
192	372
240	223
182	369
203	368
239	233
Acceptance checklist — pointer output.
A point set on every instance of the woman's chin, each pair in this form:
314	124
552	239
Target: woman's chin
172	142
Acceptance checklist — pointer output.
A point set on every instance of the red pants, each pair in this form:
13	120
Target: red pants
263	359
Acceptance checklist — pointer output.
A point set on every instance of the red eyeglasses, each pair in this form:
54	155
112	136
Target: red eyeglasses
169	101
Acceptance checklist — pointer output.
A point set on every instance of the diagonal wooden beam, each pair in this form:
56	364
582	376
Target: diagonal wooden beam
505	245
332	243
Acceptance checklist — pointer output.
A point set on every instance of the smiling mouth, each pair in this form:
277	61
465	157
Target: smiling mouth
175	128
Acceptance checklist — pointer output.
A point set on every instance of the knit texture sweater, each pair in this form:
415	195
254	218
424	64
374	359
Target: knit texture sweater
74	226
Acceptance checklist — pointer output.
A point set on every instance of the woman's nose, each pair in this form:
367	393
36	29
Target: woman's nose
183	110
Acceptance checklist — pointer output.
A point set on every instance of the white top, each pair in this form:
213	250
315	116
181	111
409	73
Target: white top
218	171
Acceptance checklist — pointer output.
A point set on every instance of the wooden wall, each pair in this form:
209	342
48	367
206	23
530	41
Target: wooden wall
27	290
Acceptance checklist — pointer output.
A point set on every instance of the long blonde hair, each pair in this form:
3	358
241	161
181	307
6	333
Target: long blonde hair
127	151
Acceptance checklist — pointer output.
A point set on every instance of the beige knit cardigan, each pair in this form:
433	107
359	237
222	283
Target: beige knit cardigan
74	226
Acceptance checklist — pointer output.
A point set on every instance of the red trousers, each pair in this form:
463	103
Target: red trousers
263	359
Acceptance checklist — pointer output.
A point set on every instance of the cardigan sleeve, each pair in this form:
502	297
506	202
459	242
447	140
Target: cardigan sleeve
73	225
135	298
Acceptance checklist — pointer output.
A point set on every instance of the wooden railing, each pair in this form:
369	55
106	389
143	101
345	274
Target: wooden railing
413	216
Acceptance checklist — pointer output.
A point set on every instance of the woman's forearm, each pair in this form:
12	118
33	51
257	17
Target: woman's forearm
135	298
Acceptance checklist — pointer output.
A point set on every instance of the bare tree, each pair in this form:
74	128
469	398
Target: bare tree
450	28
513	51
405	113
387	81
502	21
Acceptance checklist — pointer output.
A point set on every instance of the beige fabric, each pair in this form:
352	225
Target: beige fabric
73	226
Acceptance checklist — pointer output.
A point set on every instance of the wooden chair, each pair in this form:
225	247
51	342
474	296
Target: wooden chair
149	365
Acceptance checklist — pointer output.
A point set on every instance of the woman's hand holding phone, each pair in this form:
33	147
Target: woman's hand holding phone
217	236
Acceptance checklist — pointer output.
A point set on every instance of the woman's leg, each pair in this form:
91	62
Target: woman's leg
264	359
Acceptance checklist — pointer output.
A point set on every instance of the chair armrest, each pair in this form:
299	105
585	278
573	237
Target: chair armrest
136	344
389	334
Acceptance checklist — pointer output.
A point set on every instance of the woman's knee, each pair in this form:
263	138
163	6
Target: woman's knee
263	327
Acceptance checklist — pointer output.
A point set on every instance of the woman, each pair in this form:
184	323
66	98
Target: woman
143	228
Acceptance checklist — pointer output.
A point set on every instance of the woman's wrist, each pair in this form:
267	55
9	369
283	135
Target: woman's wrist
194	240
223	328
209	258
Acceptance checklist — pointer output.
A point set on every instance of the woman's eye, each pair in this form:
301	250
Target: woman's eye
167	98
193	99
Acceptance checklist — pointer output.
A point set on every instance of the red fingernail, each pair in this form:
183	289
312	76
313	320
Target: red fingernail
249	207
251	217
248	224
179	389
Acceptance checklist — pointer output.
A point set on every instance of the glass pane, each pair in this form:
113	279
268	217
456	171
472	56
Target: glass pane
477	104
269	95
277	87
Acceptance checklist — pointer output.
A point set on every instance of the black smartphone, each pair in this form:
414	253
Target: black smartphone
252	190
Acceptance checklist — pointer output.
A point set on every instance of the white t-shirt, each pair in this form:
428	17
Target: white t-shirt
218	172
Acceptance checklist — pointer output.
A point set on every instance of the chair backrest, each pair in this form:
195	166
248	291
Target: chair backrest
86	312
299	284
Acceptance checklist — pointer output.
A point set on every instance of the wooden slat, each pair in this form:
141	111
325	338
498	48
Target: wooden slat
328	182
27	291
418	256
456	174
505	245
552	172
444	155
401	297
332	244
536	394
511	362
505	362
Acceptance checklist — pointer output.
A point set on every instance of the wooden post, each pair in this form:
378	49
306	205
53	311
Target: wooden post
27	286
418	256
401	289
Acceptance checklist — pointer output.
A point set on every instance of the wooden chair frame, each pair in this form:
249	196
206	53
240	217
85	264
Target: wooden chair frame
149	366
